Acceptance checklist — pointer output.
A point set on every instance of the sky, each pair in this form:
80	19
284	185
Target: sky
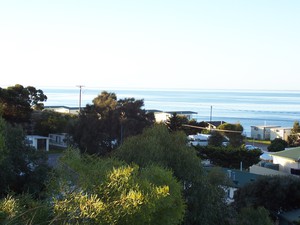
154	44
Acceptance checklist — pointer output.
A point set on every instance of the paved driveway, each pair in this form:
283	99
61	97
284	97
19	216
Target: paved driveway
53	159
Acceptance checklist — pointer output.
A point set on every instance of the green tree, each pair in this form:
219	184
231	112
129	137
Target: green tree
252	216
17	102
274	193
108	121
120	194
176	121
293	138
22	168
156	145
296	127
24	209
216	139
47	122
229	157
132	117
277	145
195	127
233	132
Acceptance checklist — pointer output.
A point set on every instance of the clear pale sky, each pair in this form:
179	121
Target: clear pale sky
217	44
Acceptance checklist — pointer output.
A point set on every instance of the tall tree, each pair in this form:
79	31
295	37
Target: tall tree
47	122
233	132
17	102
176	121
296	127
108	121
23	169
156	145
121	194
293	138
132	117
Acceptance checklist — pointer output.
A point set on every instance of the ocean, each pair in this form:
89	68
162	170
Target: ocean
247	107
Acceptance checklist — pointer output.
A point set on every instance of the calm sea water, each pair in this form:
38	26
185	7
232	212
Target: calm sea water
246	107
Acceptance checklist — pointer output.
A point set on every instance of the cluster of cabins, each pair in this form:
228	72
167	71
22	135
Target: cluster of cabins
270	132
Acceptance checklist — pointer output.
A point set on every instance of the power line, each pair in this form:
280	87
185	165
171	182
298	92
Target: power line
212	129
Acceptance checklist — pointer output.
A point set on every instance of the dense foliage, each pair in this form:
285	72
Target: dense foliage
181	123
254	216
121	194
108	121
233	132
293	138
17	102
205	201
275	193
277	145
216	139
229	157
90	190
49	122
22	168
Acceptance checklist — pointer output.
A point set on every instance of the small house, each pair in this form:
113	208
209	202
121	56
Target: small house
161	116
63	109
261	132
280	132
58	140
288	160
40	143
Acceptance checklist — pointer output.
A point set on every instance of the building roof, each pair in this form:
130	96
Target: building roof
153	111
240	178
267	126
281	128
60	106
291	153
182	112
36	137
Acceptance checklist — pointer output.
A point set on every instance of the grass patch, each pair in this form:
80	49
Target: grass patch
265	142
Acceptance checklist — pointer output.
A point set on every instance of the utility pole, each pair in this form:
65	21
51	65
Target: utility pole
80	90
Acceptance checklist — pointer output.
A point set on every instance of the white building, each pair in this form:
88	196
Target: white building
38	142
280	132
262	132
59	140
63	109
161	116
288	160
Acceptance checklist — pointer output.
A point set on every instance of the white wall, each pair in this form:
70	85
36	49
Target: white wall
282	133
285	164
